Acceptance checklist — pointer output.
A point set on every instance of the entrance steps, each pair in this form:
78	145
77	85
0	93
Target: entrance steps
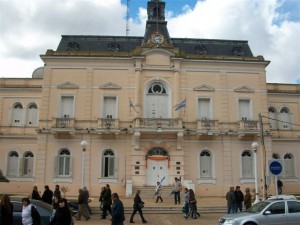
149	191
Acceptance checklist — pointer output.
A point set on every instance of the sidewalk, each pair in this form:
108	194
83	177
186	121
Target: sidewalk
168	201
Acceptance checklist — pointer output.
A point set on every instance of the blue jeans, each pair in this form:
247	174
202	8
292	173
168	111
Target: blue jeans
186	208
177	197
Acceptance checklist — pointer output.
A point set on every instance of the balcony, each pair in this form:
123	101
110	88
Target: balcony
108	125
248	129
63	127
207	128
157	124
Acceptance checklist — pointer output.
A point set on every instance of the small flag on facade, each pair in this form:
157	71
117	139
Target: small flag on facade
132	106
180	105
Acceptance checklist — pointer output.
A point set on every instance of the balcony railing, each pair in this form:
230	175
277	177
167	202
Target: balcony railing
64	122
108	123
157	123
248	125
208	124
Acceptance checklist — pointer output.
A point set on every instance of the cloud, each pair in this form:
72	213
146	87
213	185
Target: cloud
28	28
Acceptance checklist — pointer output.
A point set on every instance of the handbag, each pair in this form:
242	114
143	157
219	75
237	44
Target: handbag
141	205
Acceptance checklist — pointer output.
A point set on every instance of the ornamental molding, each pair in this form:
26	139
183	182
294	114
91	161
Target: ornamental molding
110	85
67	85
244	89
203	87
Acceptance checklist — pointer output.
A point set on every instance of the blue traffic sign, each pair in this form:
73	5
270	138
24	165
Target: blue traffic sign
275	168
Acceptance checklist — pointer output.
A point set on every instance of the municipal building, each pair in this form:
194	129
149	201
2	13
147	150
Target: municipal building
128	111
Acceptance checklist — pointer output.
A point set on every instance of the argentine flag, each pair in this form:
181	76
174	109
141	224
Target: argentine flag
180	105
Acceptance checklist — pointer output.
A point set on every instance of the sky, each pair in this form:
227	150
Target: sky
272	28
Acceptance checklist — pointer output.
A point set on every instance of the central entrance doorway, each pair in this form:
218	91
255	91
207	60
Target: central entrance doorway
157	166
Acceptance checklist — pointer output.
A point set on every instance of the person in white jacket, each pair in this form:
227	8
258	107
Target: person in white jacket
26	212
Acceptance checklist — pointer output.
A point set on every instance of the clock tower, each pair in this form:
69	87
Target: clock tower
156	33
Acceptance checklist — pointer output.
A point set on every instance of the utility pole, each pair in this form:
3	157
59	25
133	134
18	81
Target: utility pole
264	155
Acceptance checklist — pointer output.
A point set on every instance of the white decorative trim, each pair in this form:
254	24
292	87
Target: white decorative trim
247	180
62	179
21	179
207	181
107	180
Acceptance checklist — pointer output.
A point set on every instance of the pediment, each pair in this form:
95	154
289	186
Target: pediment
245	89
203	87
110	85
67	85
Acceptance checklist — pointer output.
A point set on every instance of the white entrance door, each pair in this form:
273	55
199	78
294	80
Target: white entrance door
156	170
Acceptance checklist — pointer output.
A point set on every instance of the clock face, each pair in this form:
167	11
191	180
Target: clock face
157	39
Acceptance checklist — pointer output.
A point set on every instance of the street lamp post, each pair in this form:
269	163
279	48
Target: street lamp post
83	145
255	146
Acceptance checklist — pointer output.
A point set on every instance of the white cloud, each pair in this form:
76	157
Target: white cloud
28	28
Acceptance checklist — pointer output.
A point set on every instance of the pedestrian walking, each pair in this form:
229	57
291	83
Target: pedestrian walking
47	195
106	199
137	207
192	205
176	189
82	201
87	196
101	198
186	202
35	193
57	191
117	210
62	214
158	192
6	211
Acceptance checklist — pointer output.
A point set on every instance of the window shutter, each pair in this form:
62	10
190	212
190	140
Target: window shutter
56	164
71	166
21	166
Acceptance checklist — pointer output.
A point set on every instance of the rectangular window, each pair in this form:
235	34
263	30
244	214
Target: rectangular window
110	107
244	109
67	107
204	109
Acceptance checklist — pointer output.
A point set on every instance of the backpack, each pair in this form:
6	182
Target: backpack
36	218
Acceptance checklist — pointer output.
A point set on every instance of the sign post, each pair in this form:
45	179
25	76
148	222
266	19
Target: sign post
275	167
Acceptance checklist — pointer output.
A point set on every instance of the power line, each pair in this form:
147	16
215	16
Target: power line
281	121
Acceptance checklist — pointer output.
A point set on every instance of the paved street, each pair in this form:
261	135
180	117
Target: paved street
160	219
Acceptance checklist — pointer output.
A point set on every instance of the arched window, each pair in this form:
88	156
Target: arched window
32	115
275	156
289	165
27	164
64	163
13	164
247	164
157	101
108	164
205	164
273	118
17	114
285	119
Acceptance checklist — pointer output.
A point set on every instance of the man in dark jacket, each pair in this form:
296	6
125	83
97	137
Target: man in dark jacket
106	202
117	211
230	197
47	195
239	198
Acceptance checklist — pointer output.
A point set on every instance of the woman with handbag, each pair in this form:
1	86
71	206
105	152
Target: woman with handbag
137	207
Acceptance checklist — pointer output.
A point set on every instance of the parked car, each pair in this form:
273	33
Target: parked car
268	212
44	209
